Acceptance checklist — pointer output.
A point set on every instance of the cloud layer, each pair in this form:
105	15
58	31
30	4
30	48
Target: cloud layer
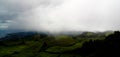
61	15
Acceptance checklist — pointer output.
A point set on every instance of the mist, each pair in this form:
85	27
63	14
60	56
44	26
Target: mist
62	15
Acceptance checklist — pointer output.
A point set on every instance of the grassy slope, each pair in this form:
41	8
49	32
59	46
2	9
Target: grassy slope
33	48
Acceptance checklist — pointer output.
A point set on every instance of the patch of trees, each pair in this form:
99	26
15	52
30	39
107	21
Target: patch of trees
110	47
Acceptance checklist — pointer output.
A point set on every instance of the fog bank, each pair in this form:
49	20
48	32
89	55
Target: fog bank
61	15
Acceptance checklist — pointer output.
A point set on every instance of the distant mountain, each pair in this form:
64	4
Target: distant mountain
3	33
21	35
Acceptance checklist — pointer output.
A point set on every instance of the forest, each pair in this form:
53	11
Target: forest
86	44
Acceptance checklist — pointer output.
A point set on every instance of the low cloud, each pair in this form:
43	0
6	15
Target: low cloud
62	15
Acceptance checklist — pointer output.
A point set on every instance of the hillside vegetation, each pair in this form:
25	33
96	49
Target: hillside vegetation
87	44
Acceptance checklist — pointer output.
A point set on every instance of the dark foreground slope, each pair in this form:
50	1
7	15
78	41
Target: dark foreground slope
87	44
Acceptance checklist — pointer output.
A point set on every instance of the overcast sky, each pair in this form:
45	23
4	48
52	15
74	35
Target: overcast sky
60	15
